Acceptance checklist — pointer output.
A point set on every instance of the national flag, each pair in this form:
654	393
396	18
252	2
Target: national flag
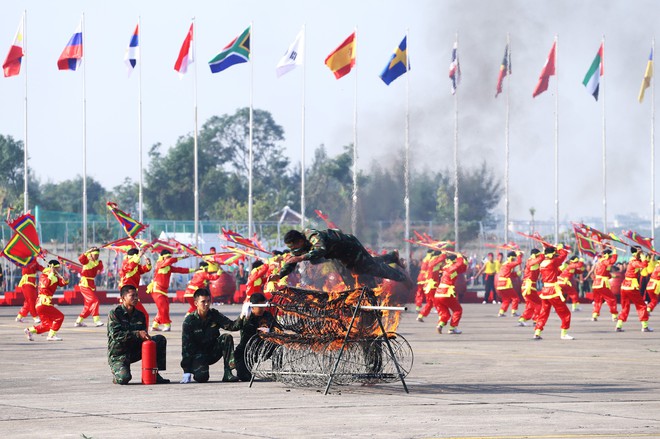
505	69
293	56
454	69
342	59
131	227
398	63
648	74
133	51
546	73
72	54
592	78
12	64
186	54
236	52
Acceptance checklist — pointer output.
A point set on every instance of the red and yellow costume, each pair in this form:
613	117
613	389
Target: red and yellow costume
28	286
505	278
421	279
567	277
256	281
601	287
51	317
200	279
653	288
433	273
551	294
129	274
445	300
630	291
529	292
91	268
159	286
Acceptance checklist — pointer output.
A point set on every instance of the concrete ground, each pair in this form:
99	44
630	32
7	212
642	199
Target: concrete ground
492	381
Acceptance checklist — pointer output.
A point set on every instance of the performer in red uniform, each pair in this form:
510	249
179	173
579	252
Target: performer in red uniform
630	291
566	279
653	288
257	279
51	317
130	272
551	295
529	293
445	300
28	286
159	286
433	274
421	280
505	289
601	286
92	266
200	279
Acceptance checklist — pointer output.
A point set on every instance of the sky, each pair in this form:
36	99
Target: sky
55	98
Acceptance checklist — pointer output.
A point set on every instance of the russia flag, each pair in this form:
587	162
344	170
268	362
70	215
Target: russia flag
73	52
133	51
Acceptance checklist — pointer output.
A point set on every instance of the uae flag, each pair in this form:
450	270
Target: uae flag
592	78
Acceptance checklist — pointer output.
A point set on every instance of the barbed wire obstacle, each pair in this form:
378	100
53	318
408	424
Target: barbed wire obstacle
324	337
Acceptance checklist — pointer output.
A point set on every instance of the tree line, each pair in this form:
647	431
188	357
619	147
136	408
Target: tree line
223	183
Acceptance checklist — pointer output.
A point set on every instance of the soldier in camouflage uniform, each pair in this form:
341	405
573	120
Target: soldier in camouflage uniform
314	245
127	330
259	319
201	341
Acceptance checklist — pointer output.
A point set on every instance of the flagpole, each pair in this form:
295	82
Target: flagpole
26	206
506	143
653	147
84	154
556	143
602	82
406	168
196	150
456	245
355	154
302	143
250	152
140	180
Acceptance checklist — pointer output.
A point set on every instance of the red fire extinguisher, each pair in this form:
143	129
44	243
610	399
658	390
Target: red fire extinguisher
149	369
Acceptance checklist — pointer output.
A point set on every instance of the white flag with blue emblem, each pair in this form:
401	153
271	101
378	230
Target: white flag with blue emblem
293	56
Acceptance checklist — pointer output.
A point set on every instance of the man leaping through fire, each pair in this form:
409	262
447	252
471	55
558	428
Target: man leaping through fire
315	245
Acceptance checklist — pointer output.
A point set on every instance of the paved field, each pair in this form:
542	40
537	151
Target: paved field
493	381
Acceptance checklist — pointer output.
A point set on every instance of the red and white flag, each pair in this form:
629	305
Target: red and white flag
186	54
546	73
12	64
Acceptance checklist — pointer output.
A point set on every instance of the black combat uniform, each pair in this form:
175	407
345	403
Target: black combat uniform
250	328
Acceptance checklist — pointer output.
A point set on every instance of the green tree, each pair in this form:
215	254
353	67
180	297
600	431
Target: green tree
329	185
11	172
66	196
223	169
479	194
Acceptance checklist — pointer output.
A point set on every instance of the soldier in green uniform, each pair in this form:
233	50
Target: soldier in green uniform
127	330
201	341
314	245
